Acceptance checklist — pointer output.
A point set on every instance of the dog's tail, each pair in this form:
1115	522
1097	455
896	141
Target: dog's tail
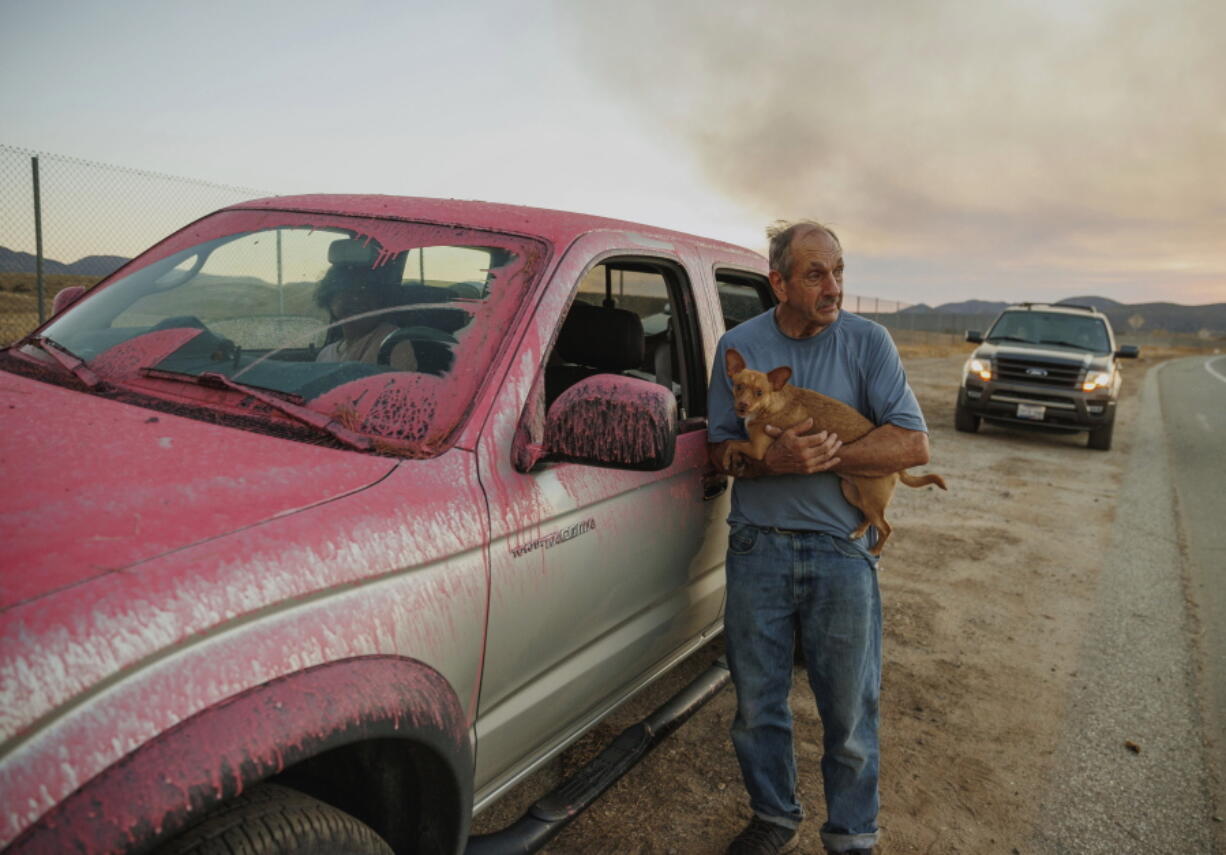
921	480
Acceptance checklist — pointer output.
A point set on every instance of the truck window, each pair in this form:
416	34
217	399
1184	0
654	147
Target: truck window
742	295
600	333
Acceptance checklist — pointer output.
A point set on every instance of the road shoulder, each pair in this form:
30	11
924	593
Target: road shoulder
1130	774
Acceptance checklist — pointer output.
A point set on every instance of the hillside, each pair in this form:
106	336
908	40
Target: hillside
97	266
1143	317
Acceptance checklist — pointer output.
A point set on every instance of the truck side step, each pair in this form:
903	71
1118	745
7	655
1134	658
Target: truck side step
574	795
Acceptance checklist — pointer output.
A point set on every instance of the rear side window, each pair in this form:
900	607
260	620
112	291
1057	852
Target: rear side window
742	295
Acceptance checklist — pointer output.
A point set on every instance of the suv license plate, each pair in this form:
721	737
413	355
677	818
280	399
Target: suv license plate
1031	411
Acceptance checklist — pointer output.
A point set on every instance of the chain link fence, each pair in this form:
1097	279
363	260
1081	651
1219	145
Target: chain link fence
83	220
909	324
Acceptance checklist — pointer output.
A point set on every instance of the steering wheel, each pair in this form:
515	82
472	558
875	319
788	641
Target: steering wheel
390	342
225	348
431	348
179	322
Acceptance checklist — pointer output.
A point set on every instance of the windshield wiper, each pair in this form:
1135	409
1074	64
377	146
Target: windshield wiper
297	412
1062	343
1006	338
305	415
67	359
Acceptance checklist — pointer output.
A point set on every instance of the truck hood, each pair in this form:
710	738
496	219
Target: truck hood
1052	355
92	485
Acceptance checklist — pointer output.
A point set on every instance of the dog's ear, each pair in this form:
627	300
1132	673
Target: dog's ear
734	362
779	376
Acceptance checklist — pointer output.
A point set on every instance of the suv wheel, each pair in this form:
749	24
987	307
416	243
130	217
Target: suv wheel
1100	439
270	819
965	420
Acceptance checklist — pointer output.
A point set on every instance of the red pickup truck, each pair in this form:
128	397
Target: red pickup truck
329	518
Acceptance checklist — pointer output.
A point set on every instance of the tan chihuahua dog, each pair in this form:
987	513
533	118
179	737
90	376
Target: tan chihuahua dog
768	399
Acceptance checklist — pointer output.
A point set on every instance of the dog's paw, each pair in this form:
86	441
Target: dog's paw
735	463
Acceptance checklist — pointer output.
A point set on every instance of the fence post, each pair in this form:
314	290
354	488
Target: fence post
280	277
38	240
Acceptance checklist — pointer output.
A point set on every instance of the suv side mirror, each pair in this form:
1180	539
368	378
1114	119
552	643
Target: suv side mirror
974	336
1128	351
610	420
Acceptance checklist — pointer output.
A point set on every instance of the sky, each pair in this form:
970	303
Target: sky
997	150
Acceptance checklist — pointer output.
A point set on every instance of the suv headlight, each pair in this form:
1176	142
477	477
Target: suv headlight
981	368
1096	380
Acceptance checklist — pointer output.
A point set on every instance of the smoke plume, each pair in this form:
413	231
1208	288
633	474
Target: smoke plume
1081	141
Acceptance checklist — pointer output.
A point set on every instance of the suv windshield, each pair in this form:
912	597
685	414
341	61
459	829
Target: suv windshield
387	327
1052	328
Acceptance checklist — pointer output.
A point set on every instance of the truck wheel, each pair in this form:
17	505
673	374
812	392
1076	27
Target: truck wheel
965	420
270	819
1100	439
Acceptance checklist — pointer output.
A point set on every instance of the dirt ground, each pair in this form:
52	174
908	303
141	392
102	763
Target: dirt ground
986	590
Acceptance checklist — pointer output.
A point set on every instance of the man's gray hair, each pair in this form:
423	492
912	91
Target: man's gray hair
783	232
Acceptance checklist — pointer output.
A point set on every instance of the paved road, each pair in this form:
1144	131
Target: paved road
1134	774
1194	406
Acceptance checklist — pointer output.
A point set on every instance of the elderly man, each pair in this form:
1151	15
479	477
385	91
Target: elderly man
792	569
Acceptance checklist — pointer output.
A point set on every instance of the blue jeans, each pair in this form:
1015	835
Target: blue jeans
825	587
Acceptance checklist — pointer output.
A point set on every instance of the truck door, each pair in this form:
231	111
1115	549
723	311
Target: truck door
599	578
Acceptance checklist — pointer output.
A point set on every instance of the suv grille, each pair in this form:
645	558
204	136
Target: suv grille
1040	373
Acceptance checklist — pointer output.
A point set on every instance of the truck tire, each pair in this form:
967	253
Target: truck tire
270	819
1100	439
965	420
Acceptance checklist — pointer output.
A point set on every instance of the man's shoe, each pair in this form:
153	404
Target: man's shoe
764	838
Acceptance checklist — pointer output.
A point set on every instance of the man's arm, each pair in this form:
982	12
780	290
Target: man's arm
882	450
789	454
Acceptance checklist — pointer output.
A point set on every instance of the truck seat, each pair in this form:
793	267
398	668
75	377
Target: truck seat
594	340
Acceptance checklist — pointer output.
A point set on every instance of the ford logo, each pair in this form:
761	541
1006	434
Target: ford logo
1037	372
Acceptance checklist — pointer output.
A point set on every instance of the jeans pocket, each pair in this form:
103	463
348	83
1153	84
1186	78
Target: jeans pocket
742	539
849	550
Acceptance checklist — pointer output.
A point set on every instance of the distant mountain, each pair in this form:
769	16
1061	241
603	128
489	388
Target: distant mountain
971	307
12	261
1103	304
97	265
1124	317
24	262
1148	317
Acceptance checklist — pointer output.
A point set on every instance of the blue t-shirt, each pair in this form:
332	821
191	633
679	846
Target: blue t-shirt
853	360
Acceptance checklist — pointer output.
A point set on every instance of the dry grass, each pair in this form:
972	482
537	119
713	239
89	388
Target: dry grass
19	300
53	283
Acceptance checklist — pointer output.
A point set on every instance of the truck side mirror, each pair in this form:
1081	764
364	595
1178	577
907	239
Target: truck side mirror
1128	351
974	336
65	297
610	420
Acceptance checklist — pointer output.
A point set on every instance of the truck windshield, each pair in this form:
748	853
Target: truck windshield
1052	328
387	326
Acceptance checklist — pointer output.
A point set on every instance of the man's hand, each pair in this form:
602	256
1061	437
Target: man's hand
789	454
738	465
793	454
